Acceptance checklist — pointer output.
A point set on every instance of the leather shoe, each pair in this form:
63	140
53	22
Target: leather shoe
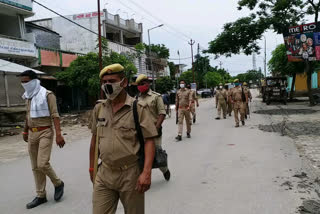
243	123
167	175
188	135
179	138
58	191
36	202
217	118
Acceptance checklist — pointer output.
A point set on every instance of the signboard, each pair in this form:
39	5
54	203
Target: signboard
87	15
16	47
23	4
193	86
303	42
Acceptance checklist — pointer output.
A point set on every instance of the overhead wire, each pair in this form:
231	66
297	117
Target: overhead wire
158	19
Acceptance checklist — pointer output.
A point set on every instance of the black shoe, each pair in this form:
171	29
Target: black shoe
188	135
179	138
243	123
224	117
36	202
229	115
237	126
217	118
167	175
58	191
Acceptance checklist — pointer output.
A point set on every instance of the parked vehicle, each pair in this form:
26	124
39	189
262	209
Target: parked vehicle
205	92
274	89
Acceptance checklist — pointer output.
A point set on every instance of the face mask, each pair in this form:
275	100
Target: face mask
220	87
143	88
112	90
237	84
181	85
30	86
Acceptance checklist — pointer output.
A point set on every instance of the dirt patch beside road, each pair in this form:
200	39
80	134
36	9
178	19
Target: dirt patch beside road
282	111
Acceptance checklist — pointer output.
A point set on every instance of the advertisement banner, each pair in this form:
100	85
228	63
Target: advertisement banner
16	47
23	4
303	42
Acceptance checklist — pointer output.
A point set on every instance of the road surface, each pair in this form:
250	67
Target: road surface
221	169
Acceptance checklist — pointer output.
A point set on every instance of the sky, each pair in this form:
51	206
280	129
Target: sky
200	20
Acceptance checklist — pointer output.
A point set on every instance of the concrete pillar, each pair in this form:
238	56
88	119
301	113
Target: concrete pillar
121	37
6	88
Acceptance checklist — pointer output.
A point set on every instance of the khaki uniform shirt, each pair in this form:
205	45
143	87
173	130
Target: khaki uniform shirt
183	98
118	143
222	95
236	94
248	92
43	121
155	104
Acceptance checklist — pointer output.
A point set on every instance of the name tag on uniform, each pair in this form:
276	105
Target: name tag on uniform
101	119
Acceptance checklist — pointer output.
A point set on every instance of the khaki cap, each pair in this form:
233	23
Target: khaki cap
220	84
111	69
245	83
236	80
141	77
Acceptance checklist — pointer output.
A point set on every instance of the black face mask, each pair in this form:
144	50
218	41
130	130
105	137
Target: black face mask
109	89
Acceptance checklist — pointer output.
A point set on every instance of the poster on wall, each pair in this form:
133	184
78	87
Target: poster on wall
303	42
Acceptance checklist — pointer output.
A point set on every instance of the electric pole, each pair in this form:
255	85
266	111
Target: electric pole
220	65
100	48
265	57
191	43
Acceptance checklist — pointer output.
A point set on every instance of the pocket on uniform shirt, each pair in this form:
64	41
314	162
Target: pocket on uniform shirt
127	133
101	128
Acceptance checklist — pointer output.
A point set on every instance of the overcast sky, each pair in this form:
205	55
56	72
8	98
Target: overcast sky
200	20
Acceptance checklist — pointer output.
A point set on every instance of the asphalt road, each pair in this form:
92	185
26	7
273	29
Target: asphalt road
221	169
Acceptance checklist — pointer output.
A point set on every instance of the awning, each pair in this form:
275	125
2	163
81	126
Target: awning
10	67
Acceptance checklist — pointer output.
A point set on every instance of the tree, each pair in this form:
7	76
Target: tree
83	72
164	84
202	66
187	76
173	69
280	66
277	15
212	79
161	50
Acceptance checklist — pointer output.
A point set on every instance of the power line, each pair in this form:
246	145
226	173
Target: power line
160	20
152	22
65	17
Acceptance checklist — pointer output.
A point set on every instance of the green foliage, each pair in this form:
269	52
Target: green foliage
238	36
173	70
161	50
279	65
212	79
164	84
140	48
187	76
241	35
83	73
250	76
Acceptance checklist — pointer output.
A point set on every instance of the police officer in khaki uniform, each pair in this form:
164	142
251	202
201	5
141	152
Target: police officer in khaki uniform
221	101
193	104
248	92
229	104
38	132
157	109
183	104
114	135
239	99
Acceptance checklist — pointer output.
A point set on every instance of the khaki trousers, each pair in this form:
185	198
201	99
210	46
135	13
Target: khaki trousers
184	113
113	185
229	107
222	105
39	146
158	143
239	107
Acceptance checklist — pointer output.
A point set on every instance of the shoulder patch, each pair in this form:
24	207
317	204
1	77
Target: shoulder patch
156	93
